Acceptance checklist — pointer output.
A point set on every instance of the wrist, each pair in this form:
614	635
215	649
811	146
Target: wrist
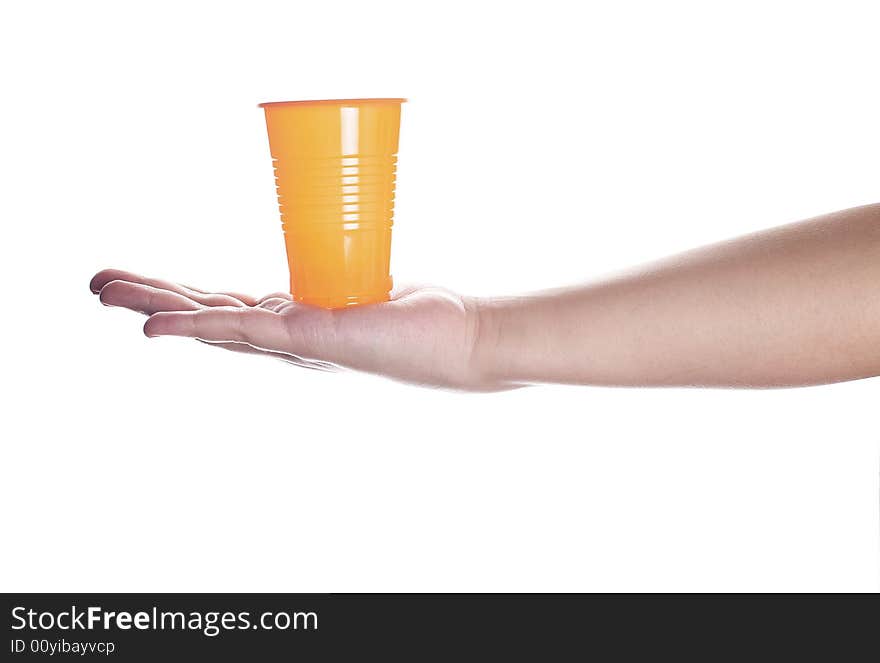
486	362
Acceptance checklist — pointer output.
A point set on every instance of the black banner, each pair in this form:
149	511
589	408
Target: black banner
150	627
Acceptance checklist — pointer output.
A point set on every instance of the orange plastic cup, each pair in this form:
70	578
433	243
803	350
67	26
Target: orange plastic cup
335	163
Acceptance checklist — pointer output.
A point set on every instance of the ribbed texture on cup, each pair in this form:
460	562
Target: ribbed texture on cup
351	189
336	203
337	214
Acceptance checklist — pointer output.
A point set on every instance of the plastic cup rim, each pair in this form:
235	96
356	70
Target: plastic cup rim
333	102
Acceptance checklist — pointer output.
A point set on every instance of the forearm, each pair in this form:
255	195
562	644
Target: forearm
794	305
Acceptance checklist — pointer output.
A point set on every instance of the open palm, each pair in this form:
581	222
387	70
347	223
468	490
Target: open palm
424	335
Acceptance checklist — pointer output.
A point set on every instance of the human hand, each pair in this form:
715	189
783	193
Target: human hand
424	335
789	306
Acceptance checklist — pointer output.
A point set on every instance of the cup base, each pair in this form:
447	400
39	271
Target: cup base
342	302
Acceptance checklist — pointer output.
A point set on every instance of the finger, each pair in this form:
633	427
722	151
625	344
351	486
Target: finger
247	300
274	303
106	276
255	326
276	295
244	348
144	298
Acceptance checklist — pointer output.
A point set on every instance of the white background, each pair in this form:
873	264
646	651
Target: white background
543	143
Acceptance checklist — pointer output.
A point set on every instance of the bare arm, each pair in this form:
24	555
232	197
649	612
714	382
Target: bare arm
794	305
